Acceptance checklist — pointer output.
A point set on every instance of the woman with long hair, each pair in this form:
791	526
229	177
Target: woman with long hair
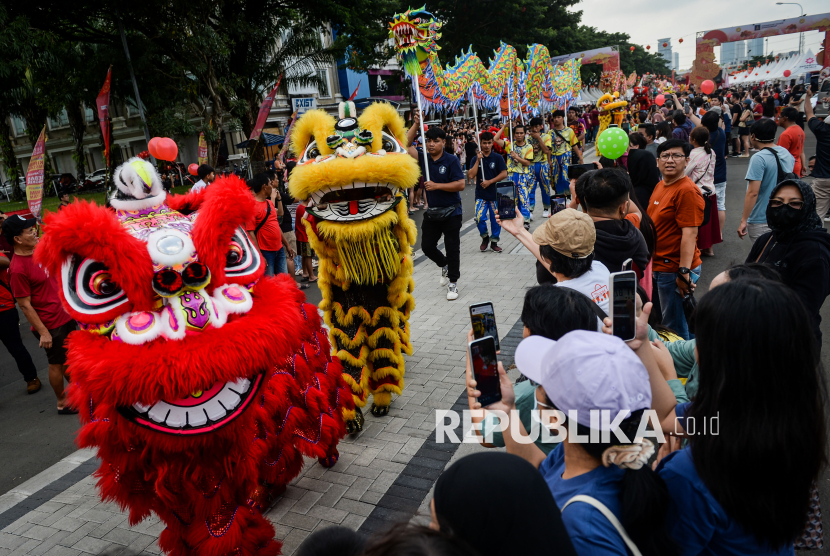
663	130
757	432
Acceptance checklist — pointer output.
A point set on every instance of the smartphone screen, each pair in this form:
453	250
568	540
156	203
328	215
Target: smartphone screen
483	318
623	304
506	195
485	370
575	171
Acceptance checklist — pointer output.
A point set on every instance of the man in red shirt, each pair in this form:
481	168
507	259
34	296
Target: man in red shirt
37	295
676	208
264	226
792	138
10	330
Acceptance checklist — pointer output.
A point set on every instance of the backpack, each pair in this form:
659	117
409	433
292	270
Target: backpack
782	175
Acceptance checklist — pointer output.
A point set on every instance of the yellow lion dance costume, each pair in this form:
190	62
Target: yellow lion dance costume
353	172
611	110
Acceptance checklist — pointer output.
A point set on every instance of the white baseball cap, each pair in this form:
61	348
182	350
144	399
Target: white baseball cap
584	371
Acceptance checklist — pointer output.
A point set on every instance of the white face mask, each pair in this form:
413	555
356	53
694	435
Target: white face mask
536	414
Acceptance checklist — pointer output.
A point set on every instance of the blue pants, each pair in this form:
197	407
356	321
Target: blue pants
275	262
482	209
559	163
671	302
522	182
540	173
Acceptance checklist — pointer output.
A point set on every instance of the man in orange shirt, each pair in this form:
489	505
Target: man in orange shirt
264	227
793	138
676	208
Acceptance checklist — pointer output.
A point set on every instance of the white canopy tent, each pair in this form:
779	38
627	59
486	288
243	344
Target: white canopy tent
798	66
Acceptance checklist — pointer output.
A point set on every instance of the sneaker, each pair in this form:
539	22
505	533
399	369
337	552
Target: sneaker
452	292
495	247
484	241
546	213
527	226
744	155
530	218
33	386
734	155
298	271
827	218
445	276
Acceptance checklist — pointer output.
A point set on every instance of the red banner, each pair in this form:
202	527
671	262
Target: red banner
264	110
103	104
202	149
34	176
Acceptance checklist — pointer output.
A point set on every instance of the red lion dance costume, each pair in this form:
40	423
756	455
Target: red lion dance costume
201	384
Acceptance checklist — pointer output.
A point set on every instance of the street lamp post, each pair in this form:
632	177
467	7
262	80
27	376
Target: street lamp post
801	14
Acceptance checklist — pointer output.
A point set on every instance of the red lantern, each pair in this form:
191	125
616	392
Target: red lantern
707	87
665	44
680	41
193	169
648	47
167	149
767	71
152	146
787	73
631	49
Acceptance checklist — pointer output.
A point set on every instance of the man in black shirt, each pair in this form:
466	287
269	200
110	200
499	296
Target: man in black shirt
446	181
486	175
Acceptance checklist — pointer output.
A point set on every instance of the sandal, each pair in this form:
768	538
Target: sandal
304	286
304	279
67	411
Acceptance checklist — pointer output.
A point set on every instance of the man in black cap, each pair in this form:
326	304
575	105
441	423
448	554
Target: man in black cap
206	176
37	295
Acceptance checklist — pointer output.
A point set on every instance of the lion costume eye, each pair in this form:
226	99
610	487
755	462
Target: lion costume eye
89	287
242	258
311	152
391	145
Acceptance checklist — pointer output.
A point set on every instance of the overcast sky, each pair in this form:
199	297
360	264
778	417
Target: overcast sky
648	20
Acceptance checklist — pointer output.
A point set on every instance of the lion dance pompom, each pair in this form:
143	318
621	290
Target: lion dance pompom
353	172
201	383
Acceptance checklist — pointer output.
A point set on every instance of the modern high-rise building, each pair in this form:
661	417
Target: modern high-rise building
754	47
676	65
666	51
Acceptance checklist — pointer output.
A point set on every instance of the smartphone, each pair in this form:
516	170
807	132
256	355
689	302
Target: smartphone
576	170
623	306
485	370
558	202
506	195
814	83
483	318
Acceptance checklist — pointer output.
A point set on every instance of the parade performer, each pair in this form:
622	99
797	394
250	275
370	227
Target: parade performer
519	162
201	384
353	171
564	140
540	170
611	110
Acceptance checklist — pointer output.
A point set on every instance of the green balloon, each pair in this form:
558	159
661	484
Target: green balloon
613	143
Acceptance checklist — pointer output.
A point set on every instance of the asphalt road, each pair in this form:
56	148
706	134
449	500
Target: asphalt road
33	436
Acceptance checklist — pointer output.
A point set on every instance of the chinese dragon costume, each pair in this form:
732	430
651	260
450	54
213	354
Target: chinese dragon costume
352	173
201	383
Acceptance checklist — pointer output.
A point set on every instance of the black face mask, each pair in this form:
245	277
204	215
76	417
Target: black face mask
783	218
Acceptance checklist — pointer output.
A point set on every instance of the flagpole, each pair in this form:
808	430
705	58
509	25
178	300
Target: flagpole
132	76
421	119
478	141
509	115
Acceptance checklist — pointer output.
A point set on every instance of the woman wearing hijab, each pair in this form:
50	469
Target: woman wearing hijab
642	169
798	246
499	504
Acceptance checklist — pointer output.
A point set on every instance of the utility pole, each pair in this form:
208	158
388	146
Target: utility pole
132	76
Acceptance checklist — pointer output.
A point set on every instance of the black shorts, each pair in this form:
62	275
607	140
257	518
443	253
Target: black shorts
56	355
743	131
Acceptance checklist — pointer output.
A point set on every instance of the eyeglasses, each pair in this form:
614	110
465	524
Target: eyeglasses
775	203
672	156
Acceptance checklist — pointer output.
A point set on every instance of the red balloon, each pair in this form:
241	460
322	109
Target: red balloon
193	169
152	146
167	149
707	87
787	73
659	100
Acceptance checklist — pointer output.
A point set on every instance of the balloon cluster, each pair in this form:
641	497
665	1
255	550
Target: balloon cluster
163	148
144	155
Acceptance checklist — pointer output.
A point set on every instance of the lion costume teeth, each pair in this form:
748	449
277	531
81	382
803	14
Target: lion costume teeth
362	234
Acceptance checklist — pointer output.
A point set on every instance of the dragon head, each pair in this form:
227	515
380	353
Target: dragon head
416	33
611	102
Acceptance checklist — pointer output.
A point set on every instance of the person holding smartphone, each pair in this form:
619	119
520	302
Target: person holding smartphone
519	162
487	168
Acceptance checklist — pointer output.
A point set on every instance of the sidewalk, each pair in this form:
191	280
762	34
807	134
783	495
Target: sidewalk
385	473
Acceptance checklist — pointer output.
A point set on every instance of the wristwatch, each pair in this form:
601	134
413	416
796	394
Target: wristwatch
682	270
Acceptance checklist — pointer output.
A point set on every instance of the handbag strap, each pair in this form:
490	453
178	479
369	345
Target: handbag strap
761	254
264	220
609	516
706	170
